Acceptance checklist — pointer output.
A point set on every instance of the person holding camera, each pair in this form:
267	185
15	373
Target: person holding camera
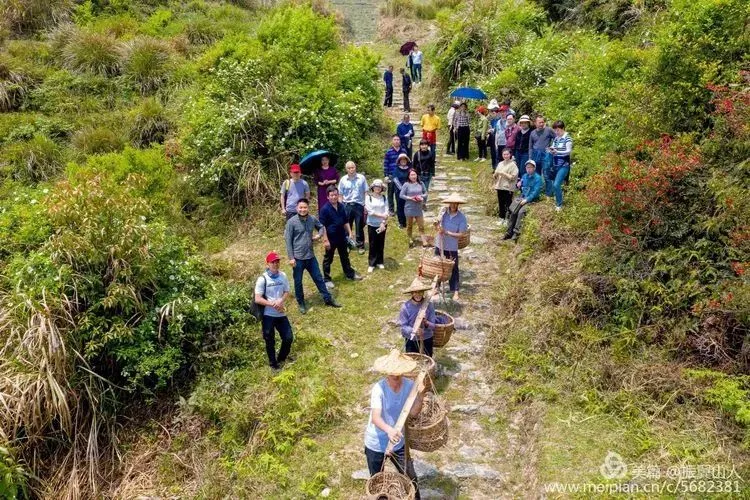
376	207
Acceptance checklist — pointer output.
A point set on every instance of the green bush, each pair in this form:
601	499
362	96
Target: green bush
148	63
93	53
15	83
38	159
97	140
66	94
150	123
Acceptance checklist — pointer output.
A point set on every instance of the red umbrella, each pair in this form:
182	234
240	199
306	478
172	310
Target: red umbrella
406	48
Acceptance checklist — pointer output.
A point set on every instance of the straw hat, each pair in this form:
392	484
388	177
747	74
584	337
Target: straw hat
417	286
377	183
524	118
493	105
403	155
394	363
453	198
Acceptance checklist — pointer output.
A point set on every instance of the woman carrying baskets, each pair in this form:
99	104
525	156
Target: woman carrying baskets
452	224
387	400
417	334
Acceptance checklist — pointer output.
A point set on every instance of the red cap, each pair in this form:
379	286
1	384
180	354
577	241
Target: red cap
295	169
273	256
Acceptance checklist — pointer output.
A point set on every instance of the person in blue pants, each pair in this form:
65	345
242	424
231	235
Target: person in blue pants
561	149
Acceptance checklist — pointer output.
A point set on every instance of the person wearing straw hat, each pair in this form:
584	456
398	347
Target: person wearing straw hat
452	224
376	207
387	399
417	338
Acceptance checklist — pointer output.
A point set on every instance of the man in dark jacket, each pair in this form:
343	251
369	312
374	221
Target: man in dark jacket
336	221
388	79
531	188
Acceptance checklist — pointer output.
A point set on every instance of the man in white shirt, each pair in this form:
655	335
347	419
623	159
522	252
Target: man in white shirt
450	149
352	190
416	61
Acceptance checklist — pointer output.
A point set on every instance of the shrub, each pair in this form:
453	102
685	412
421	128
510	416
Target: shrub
64	93
148	64
38	159
22	16
14	85
93	53
96	140
150	123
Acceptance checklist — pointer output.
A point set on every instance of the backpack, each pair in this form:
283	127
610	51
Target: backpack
256	309
286	185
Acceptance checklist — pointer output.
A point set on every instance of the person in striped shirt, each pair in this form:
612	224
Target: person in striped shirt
561	148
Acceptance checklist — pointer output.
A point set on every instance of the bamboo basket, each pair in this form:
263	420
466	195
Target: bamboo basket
391	485
424	363
443	331
465	240
433	265
428	431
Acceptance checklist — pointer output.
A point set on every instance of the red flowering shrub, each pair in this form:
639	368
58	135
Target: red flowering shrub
636	191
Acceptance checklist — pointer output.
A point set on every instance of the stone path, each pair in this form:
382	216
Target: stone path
487	443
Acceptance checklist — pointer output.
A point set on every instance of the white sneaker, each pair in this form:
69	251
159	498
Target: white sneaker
503	222
370	269
381	266
558	209
329	285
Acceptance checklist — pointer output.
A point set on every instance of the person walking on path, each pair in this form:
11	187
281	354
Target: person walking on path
523	136
413	193
452	224
416	62
506	176
561	149
334	218
388	80
390	162
271	292
482	133
292	190
298	236
405	132
430	124
417	334
494	116
424	163
406	88
376	207
400	178
451	146
462	126
539	143
387	399
531	188
352	190
324	176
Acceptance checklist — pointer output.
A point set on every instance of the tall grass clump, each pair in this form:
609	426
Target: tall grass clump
22	16
150	123
93	53
148	63
14	85
97	140
36	160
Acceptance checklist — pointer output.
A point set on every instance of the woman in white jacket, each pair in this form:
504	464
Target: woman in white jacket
506	176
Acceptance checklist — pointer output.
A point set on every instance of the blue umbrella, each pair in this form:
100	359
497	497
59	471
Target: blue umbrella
468	93
311	161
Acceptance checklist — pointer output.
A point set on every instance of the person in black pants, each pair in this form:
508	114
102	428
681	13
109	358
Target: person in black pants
388	79
336	221
271	291
462	126
405	88
377	224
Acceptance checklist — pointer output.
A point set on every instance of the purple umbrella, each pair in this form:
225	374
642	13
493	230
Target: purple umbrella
406	48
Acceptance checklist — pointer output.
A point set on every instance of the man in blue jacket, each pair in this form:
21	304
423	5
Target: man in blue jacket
531	188
388	79
390	160
405	132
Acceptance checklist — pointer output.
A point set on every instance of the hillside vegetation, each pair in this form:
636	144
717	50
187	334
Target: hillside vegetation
131	133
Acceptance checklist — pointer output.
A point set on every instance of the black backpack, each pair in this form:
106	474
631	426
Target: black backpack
256	309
